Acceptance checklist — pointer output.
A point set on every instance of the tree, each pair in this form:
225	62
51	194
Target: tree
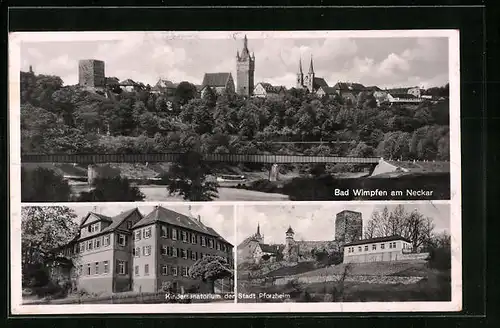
210	97
188	177
115	189
211	268
184	92
43	185
44	230
413	226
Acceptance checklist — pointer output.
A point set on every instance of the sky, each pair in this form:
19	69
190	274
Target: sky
317	222
147	56
218	217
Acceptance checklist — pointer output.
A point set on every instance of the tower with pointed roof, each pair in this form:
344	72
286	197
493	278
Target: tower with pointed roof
245	68
300	76
290	252
309	79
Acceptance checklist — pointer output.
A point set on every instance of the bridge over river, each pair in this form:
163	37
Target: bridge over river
171	157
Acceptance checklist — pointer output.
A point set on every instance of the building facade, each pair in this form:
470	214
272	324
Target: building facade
245	68
266	90
348	226
393	248
218	82
91	73
144	254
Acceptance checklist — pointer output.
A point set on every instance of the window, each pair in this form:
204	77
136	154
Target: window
193	239
184	271
129	224
98	243
121	267
163	250
374	247
366	248
106	266
94	227
147	233
193	256
211	243
122	240
183	253
184	236
90	245
174	271
174	234
203	241
169	251
146	269
136	252
382	246
82	247
96	267
106	240
146	250
201	255
394	245
175	252
217	246
88	270
164	232
137	235
164	270
136	270
359	249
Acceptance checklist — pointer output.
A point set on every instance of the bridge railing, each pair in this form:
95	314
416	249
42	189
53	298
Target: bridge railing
171	157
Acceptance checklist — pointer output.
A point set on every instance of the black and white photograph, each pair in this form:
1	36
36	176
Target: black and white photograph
125	254
236	116
367	252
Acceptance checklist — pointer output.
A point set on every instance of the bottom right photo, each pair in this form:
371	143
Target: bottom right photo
344	252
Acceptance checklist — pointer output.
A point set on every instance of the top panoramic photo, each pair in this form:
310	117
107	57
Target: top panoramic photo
234	116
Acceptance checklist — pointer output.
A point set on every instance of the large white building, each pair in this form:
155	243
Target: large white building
381	249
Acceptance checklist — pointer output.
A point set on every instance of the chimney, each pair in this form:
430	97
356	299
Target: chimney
199	218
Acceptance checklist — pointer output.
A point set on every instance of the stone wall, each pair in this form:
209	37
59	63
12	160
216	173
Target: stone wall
354	279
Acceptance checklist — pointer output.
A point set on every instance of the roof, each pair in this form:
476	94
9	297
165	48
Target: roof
269	88
401	90
290	230
373	88
100	216
161	214
348	211
328	90
268	248
319	82
115	222
349	86
403	95
377	240
216	79
128	82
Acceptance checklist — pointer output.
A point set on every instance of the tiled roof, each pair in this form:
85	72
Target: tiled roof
348	86
290	230
377	240
270	88
115	221
161	214
328	90
268	248
128	82
100	216
319	82
216	79
373	88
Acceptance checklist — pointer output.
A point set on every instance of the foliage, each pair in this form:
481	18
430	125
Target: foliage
188	178
43	185
43	231
410	225
439	248
211	268
114	189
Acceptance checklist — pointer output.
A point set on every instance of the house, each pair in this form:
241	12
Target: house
349	91
253	249
266	90
165	87
326	92
142	253
403	98
128	85
218	82
392	248
414	91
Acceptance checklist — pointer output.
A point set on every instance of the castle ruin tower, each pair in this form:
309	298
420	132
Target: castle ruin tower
348	226
300	76
290	252
91	73
245	67
309	82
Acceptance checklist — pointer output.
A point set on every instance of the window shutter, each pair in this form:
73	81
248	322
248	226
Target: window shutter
126	267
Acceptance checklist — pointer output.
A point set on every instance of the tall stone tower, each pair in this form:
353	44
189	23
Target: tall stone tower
300	76
245	67
91	73
309	78
258	237
348	226
290	252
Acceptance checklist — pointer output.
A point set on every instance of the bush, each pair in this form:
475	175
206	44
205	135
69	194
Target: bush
440	258
112	189
43	185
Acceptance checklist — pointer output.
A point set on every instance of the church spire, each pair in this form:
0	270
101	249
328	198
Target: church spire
258	228
311	69
245	53
300	65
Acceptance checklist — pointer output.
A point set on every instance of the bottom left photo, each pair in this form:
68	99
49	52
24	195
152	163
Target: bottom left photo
127	253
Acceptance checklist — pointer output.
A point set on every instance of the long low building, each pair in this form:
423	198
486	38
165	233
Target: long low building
392	248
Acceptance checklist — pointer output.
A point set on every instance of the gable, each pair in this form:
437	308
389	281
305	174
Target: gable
134	217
